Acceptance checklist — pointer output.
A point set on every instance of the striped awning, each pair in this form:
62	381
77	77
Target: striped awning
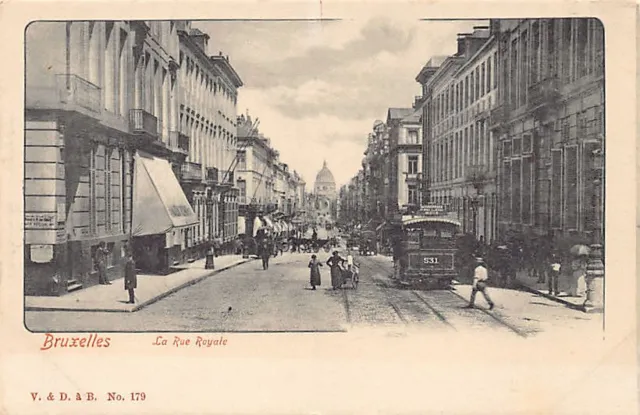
267	222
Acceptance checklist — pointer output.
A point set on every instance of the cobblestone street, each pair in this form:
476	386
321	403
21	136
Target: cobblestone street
247	298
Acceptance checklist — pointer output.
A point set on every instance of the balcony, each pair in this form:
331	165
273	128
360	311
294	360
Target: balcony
212	175
191	172
142	122
544	94
178	142
76	91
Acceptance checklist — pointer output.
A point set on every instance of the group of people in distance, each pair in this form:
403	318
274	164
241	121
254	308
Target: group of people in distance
338	266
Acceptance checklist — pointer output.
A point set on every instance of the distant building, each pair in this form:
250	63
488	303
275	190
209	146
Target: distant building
325	197
267	188
405	159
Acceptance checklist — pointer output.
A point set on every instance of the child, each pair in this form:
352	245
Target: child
314	266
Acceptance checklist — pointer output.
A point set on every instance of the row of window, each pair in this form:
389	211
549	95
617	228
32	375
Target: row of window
566	49
573	197
468	147
199	82
212	146
475	85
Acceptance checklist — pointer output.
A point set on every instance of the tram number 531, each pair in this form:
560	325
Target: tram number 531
430	260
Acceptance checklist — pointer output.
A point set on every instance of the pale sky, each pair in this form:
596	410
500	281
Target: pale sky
318	87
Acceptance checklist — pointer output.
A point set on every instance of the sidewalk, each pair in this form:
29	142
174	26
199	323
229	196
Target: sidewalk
531	284
542	289
151	288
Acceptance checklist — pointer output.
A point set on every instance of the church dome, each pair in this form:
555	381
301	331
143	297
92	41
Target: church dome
325	175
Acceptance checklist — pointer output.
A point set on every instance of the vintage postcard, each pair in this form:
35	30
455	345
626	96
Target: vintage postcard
226	208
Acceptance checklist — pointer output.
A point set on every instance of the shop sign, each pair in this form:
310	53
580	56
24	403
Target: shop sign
40	221
61	236
62	212
41	254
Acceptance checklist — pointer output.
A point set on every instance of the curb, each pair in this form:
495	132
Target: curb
147	302
569	304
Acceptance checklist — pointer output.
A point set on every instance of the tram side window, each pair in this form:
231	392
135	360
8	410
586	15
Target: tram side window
446	233
413	238
430	233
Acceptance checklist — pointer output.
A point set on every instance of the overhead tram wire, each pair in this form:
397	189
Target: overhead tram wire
234	164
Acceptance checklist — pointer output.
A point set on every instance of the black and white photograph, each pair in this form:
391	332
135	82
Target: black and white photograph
243	207
314	176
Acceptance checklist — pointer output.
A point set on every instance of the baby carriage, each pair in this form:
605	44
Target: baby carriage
351	276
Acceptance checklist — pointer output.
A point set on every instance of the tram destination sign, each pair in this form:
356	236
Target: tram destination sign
432	210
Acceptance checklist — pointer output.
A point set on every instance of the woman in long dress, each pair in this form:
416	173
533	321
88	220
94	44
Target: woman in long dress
314	276
336	271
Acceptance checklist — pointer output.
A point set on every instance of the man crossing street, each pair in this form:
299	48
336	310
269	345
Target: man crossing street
480	276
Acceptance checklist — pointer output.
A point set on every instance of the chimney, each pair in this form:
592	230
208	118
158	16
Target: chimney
462	43
201	39
494	26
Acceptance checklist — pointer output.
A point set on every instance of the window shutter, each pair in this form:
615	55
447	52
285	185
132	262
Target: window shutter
527	147
571	187
92	193
516	203
506	191
556	188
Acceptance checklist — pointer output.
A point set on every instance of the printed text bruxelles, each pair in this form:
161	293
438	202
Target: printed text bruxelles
90	341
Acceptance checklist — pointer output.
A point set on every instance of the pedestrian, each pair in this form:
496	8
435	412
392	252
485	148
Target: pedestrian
130	277
480	277
335	262
265	253
101	261
554	274
314	272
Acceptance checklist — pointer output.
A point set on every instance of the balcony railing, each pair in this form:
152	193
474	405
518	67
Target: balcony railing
543	93
179	142
212	174
143	122
78	91
192	171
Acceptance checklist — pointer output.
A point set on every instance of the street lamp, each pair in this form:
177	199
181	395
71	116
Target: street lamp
594	301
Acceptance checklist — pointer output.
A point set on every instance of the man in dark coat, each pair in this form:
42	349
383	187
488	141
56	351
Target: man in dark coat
265	253
101	261
130	277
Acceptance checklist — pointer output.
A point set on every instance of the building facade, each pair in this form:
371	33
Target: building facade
267	187
550	124
207	112
459	92
405	159
100	103
325	197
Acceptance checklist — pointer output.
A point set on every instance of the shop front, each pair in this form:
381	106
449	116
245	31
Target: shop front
163	221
